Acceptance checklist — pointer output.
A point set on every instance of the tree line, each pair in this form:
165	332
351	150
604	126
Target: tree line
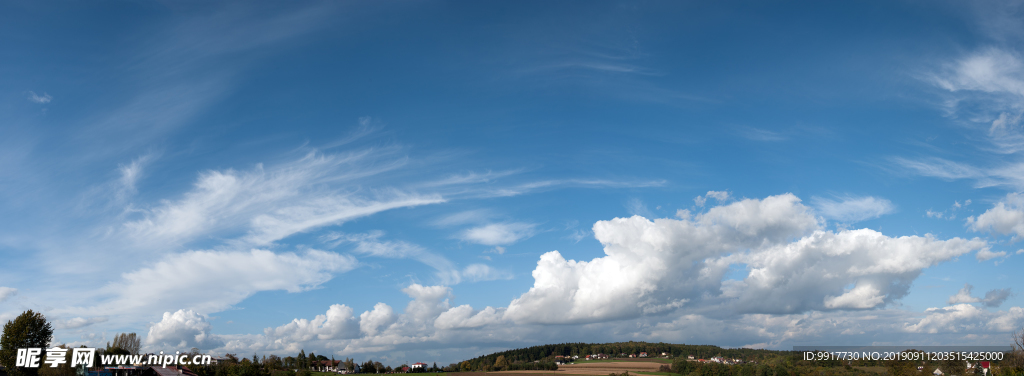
32	330
547	353
791	363
755	362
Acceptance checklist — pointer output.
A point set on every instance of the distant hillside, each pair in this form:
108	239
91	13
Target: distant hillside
546	353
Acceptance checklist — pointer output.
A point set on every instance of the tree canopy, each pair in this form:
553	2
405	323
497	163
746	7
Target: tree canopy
30	329
127	341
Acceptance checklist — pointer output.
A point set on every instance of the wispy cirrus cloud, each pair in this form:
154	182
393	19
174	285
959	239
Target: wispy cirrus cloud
852	209
446	271
509	183
941	168
499	233
7	293
371	244
212	280
77	322
1005	175
178	71
41	99
273	202
764	135
464	217
541	185
983	90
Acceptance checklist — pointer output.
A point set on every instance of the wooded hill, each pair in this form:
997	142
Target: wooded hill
546	353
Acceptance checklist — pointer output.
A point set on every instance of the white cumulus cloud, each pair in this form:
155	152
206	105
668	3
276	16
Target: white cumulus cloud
182	330
465	316
1005	217
986	254
966	318
813	272
993	298
720	196
337	323
371	322
793	266
860	297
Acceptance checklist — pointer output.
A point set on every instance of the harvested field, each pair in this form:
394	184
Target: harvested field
467	373
642	360
617	367
656	360
586	368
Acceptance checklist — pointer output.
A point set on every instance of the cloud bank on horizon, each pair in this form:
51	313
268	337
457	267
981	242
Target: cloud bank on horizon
396	181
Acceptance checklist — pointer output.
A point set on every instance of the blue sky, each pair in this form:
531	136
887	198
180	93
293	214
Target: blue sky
431	181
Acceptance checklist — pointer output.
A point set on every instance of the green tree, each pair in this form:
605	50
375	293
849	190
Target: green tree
500	364
368	367
273	362
63	369
901	367
30	329
350	365
953	367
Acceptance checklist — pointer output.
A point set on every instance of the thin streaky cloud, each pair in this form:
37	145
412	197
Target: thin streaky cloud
41	99
757	134
850	209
